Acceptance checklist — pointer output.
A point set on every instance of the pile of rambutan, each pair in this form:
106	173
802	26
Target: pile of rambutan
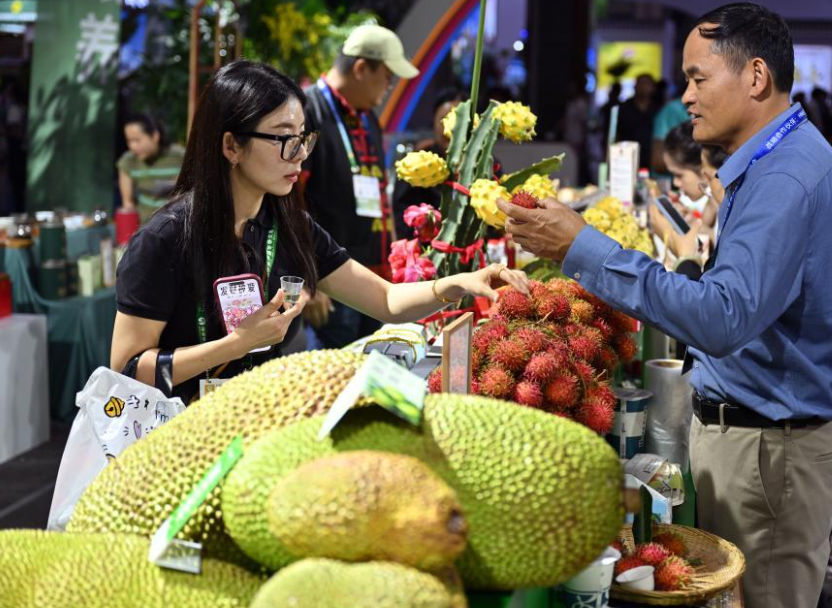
555	350
666	553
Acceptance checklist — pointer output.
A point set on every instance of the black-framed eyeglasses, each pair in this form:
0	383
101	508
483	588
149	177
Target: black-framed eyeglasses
307	140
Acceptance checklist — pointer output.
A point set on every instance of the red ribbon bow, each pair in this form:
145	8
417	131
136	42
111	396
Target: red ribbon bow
466	254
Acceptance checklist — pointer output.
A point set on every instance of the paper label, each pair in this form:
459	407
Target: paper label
624	170
207	385
390	385
367	195
173	525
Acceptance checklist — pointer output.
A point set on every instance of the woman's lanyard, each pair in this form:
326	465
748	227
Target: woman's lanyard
202	321
342	129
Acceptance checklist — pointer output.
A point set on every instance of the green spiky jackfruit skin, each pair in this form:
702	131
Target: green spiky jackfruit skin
368	506
140	489
324	583
65	570
541	494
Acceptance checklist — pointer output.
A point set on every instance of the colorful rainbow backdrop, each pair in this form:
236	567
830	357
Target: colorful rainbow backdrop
405	96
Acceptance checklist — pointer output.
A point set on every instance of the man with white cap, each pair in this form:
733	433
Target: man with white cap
345	179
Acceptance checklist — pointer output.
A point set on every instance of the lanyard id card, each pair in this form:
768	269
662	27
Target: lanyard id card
367	195
367	189
208	385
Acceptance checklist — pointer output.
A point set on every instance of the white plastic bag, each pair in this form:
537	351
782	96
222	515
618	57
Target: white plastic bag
115	411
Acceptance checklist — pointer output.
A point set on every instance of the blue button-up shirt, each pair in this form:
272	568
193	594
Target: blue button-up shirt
760	322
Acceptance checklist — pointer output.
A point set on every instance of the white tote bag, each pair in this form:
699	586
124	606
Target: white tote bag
114	411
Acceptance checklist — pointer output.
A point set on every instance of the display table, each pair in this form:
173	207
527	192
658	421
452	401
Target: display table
24	396
80	329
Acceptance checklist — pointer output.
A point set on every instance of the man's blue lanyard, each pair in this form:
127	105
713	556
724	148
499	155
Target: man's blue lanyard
789	125
342	129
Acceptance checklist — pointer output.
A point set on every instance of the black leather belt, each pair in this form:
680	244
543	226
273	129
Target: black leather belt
730	414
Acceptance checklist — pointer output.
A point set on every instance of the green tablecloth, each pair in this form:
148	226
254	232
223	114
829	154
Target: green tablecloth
80	329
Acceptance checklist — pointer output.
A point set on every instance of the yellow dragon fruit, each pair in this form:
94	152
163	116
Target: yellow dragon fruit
537	185
598	218
422	169
517	121
484	195
449	122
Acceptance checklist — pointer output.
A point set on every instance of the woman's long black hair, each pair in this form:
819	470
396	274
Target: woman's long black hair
235	100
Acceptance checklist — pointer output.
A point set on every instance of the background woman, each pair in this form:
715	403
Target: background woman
235	210
147	171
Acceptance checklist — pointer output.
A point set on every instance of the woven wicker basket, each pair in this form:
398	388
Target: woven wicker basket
722	565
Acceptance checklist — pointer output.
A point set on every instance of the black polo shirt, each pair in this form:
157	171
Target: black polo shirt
154	280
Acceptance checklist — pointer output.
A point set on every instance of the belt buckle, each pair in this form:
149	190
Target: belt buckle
723	428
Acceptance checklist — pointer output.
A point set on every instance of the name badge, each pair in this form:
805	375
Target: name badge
209	385
367	195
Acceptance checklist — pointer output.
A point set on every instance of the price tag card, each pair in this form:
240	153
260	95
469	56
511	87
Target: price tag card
165	549
390	385
367	195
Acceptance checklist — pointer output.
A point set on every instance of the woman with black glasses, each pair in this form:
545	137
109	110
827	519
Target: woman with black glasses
236	210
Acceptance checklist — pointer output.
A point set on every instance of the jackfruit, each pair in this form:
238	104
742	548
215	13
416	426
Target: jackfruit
541	494
365	505
135	493
324	583
64	570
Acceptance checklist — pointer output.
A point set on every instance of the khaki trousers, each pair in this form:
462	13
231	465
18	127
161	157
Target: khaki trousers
768	491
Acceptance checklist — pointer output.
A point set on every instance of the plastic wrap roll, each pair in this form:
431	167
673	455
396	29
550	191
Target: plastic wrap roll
669	412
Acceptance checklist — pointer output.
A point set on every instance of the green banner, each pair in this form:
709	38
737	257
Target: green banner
72	105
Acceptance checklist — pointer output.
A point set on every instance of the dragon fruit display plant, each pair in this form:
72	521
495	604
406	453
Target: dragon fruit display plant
466	175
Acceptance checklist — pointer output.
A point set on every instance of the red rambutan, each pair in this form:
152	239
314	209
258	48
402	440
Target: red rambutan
515	305
673	574
538	289
560	352
652	554
552	307
475	387
511	354
582	311
628	562
435	380
595	414
477	357
607	359
528	393
496	382
620	322
584	347
562	391
672	542
602	392
541	368
532	338
560	286
602	326
521	198
584	371
625	347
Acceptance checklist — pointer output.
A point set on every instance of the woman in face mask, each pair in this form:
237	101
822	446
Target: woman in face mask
686	247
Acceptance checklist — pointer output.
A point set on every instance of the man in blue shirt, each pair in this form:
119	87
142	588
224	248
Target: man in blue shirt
759	321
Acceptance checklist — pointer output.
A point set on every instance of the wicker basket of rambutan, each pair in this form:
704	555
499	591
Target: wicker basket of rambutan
553	350
690	565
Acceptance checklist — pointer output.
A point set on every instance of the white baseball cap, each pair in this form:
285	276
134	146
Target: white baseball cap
379	43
